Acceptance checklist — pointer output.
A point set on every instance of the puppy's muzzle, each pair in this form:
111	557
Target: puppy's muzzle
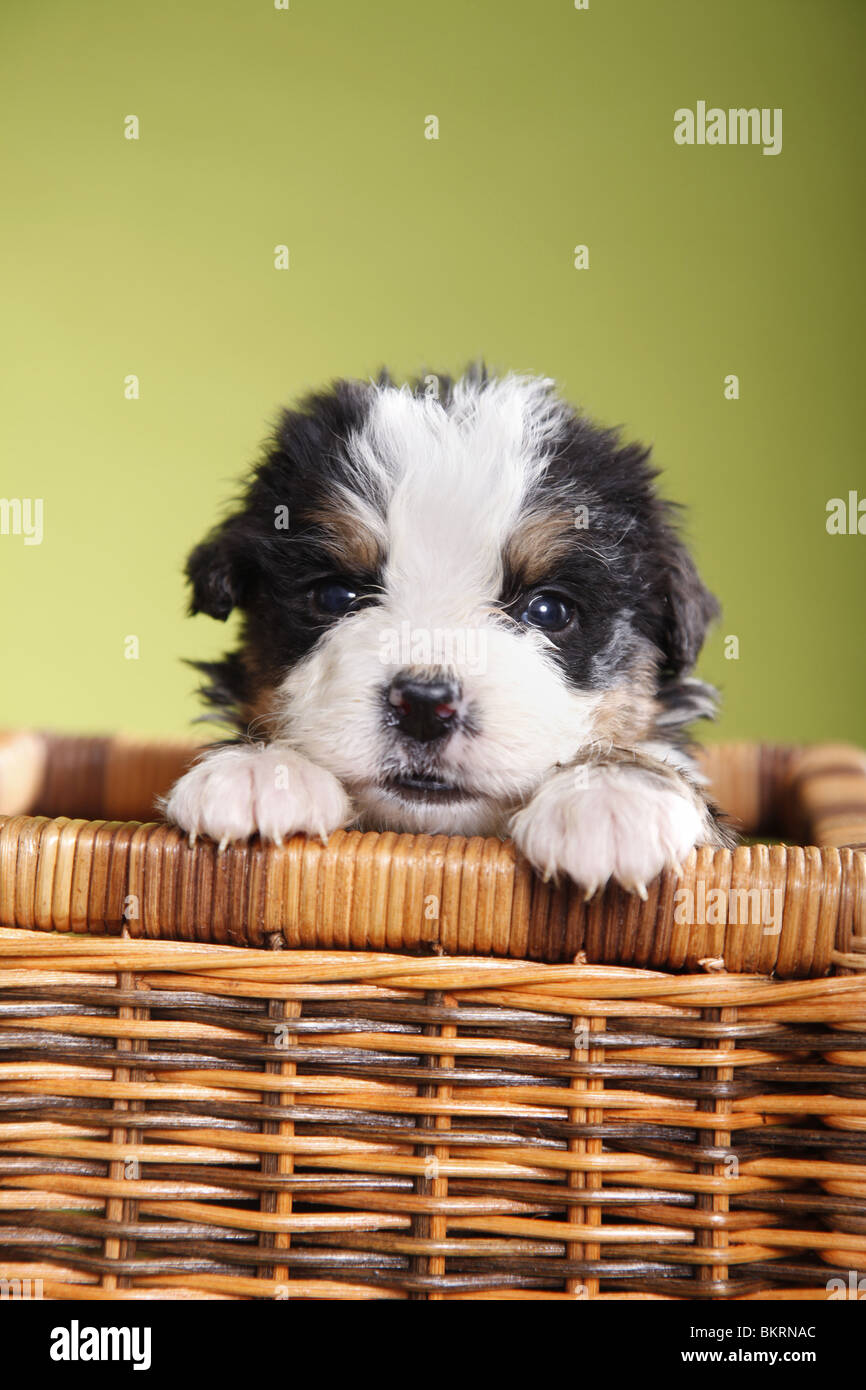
423	710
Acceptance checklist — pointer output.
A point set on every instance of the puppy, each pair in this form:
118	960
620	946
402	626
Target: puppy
464	610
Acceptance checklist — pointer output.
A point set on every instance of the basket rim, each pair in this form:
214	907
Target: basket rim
789	910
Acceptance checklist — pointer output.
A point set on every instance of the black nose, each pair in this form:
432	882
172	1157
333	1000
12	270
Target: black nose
424	709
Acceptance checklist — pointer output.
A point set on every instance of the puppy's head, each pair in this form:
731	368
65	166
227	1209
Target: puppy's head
447	589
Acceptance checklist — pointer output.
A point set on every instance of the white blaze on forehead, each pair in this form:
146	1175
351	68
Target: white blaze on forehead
452	481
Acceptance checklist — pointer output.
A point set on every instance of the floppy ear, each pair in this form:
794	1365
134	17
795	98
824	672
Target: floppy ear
218	573
688	608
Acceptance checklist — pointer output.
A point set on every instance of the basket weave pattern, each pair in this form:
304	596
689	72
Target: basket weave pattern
183	1119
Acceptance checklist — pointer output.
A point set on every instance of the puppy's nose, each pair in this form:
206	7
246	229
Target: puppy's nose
424	709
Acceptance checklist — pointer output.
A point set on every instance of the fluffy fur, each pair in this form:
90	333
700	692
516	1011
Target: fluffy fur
459	514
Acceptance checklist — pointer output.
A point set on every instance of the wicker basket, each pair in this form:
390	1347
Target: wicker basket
458	1083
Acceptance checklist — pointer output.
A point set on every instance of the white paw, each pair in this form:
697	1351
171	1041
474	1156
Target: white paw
614	822
234	792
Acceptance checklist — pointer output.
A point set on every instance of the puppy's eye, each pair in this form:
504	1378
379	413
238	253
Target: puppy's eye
334	597
548	611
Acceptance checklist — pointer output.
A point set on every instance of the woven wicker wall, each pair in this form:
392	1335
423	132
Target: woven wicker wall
181	1119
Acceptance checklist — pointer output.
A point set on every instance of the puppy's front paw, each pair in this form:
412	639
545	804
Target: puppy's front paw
234	792
611	822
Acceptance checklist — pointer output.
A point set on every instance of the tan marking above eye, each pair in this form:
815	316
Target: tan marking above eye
540	538
356	549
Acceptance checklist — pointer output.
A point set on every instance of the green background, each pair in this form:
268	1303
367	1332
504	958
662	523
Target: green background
306	127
